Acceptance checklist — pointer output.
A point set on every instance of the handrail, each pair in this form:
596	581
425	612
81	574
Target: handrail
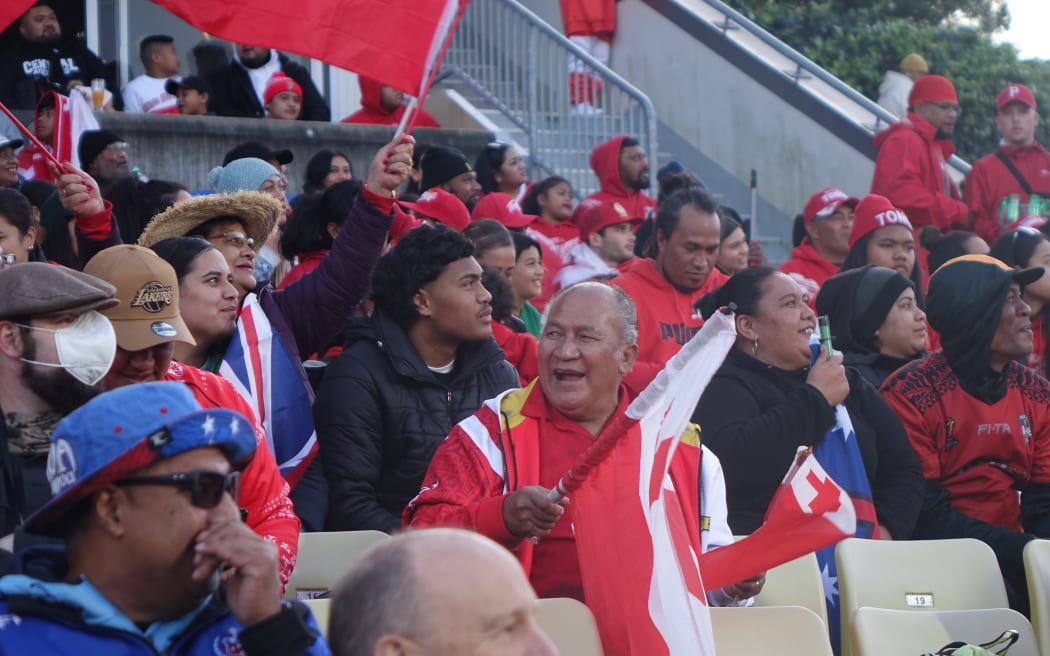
519	65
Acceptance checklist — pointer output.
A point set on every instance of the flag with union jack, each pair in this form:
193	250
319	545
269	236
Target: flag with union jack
268	377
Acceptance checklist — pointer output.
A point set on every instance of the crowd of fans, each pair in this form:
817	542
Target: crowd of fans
432	341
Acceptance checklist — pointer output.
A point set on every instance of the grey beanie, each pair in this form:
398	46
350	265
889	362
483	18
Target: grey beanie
246	174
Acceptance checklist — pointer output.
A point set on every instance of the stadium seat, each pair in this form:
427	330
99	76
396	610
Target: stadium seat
570	626
320	609
880	631
916	576
324	558
1037	569
795	583
780	630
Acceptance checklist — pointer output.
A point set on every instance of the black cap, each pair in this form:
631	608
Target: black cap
91	144
194	82
258	150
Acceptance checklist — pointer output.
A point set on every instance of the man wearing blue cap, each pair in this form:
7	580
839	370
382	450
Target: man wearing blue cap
144	486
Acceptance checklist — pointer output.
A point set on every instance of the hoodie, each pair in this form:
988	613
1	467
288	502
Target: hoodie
809	269
372	113
912	171
605	160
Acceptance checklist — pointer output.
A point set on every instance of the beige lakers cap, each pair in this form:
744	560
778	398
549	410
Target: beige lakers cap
148	290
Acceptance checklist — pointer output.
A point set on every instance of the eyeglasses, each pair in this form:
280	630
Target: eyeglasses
205	487
235	237
117	147
948	107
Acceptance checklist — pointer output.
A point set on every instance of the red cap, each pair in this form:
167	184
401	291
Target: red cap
504	209
594	215
874	212
279	83
825	202
932	88
1015	93
441	206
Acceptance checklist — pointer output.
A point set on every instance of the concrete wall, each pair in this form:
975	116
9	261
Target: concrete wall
185	148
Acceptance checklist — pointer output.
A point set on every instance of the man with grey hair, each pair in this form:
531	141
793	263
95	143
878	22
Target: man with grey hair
436	592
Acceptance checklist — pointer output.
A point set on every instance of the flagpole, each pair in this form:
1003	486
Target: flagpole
32	137
409	120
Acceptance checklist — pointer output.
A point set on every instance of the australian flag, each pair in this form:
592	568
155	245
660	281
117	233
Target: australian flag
268	377
839	455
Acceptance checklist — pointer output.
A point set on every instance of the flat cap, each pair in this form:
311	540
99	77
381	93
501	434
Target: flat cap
37	289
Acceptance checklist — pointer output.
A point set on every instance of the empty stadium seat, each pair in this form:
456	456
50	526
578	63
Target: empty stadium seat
781	630
881	631
570	626
324	558
320	608
1037	569
795	583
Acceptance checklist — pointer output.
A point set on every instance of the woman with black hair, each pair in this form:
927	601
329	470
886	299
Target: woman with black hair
1023	248
17	230
326	168
315	222
882	235
501	168
948	246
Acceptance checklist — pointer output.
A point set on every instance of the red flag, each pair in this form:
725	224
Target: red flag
636	523
12	10
809	512
397	42
72	117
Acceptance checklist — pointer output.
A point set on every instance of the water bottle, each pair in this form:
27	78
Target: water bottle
1009	209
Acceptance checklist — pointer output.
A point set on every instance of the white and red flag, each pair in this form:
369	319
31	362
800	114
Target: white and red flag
73	116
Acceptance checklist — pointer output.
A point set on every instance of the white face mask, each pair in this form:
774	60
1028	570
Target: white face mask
85	347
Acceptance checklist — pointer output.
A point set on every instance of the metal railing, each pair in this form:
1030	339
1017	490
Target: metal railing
518	64
806	74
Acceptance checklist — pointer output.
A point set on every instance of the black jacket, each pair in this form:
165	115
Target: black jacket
381	413
233	94
876	367
29	70
754	416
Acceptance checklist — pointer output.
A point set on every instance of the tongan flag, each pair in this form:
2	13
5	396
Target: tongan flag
72	117
258	365
397	42
637	533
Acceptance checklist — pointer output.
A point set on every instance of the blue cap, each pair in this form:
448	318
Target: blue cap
126	430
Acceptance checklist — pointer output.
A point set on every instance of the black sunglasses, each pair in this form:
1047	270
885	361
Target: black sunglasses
206	488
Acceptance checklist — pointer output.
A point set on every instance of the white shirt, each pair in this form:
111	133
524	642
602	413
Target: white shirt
893	93
146	95
260	76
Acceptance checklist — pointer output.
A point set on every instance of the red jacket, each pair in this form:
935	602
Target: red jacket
589	18
990	181
264	493
605	160
666	319
372	112
911	171
809	270
520	349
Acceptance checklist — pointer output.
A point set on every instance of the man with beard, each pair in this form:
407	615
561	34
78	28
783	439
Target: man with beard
55	347
43	61
622	168
238	89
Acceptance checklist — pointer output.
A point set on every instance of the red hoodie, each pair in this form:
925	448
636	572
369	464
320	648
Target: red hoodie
520	349
989	182
605	160
809	270
666	319
910	171
372	112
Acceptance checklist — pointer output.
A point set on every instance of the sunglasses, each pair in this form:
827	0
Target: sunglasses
235	237
206	488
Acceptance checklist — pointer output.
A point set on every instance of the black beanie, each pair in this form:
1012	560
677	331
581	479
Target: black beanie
91	144
441	164
857	302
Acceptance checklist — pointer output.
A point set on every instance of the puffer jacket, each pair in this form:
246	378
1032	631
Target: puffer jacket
381	413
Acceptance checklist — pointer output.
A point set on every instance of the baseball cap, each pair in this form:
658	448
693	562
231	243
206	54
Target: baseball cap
825	202
126	430
1015	93
932	88
874	212
595	215
148	290
8	142
38	289
504	208
194	82
441	206
258	150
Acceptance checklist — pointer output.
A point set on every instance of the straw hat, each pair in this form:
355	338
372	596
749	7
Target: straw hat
256	210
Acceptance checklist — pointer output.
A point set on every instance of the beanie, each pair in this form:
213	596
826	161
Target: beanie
247	174
932	88
91	144
857	301
441	164
278	83
874	212
914	63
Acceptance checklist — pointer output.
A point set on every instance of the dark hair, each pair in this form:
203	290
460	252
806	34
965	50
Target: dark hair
531	203
944	247
418	258
523	242
628	142
16	209
502	293
339	199
490	160
37	191
1016	247
744	288
672	182
135	203
798	230
306	231
668	213
858	257
147	47
727	224
318	167
203	229
180	252
487	235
